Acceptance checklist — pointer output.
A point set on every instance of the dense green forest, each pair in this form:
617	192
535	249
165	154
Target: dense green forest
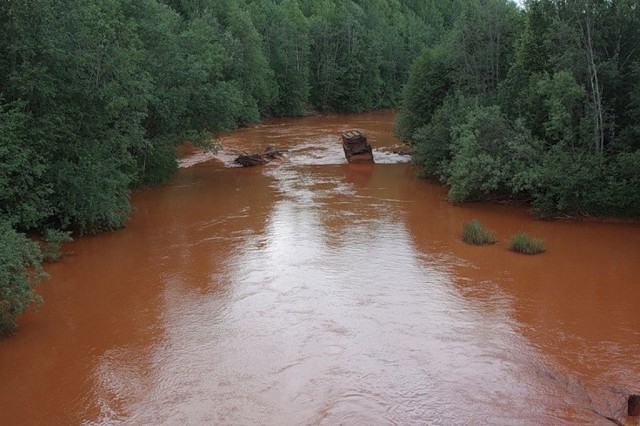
96	95
540	105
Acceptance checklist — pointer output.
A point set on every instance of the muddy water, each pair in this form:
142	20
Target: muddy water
312	292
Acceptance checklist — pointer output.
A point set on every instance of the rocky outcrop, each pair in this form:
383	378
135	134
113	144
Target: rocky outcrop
356	148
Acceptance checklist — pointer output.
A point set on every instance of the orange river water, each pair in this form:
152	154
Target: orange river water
314	292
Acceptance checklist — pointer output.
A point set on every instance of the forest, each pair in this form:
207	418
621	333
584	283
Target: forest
540	105
537	102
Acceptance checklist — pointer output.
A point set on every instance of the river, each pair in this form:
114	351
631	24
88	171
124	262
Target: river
313	292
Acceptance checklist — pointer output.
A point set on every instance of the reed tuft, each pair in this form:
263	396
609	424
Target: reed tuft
525	244
474	233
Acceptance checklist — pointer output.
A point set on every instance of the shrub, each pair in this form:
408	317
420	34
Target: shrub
431	143
157	162
490	157
523	243
474	233
20	271
53	239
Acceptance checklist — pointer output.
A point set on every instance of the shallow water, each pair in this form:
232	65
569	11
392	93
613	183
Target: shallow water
313	292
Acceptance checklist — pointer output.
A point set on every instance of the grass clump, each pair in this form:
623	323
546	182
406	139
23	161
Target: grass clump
474	233
525	244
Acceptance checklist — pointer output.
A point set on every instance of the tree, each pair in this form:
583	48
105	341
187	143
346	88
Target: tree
491	157
430	80
20	272
285	34
24	199
484	39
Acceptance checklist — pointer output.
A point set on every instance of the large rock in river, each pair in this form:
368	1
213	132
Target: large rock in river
356	148
634	405
249	160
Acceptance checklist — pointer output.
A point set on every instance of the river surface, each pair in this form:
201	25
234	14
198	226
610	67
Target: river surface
313	292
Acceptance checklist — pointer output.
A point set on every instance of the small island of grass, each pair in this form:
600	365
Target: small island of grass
474	232
525	244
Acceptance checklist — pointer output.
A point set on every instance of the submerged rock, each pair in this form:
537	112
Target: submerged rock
633	405
356	148
250	160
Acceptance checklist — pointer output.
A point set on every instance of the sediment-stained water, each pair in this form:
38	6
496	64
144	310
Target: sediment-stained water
314	292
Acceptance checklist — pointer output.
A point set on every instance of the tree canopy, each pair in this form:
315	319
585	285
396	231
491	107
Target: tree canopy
539	103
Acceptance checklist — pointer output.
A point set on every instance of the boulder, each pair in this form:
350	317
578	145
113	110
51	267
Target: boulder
250	160
356	148
633	405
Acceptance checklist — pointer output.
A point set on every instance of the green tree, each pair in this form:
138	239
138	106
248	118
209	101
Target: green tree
75	69
23	196
432	143
491	157
427	87
20	272
285	33
484	38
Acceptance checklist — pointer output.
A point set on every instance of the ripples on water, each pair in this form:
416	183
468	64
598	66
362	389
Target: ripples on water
328	318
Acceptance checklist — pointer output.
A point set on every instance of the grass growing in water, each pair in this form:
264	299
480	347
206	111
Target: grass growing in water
523	243
474	233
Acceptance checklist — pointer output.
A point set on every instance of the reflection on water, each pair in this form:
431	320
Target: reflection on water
318	292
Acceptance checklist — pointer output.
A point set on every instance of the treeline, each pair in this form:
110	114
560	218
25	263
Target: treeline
96	95
540	104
